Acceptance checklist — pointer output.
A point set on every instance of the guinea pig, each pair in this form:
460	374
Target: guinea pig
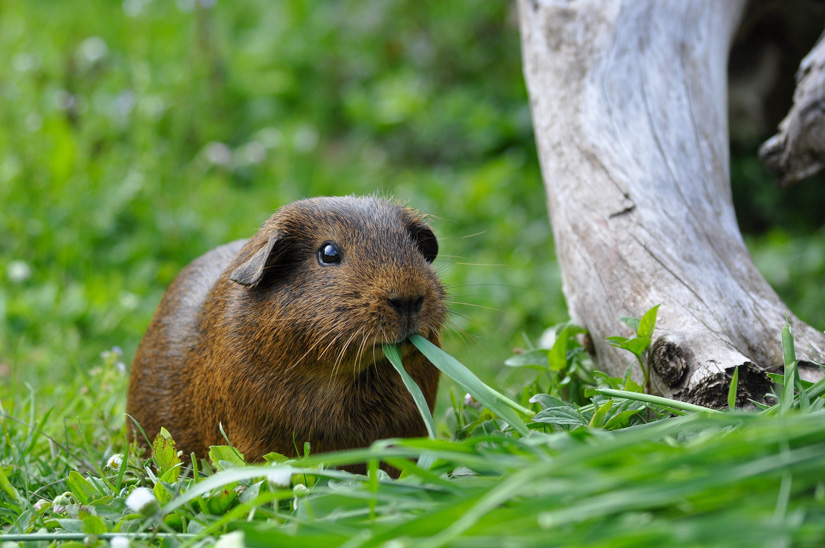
278	338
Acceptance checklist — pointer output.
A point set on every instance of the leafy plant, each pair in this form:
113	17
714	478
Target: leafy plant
639	344
565	362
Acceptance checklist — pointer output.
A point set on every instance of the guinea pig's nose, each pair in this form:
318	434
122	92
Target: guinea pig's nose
406	306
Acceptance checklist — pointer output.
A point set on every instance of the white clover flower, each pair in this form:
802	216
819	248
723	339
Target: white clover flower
61	503
119	542
300	491
234	539
92	50
115	462
470	401
279	477
253	152
218	153
18	271
141	500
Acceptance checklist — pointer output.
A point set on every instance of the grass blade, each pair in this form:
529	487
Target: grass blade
657	400
393	354
732	391
494	401
786	401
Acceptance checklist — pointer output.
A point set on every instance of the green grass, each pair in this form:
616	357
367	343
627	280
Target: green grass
135	136
615	472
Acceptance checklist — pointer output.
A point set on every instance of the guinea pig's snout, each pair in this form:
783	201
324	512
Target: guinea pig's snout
406	306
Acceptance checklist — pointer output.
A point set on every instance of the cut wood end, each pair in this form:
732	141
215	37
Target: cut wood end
789	165
681	370
712	391
797	151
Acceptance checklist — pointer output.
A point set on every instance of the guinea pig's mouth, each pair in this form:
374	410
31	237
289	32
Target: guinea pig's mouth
377	354
374	354
405	344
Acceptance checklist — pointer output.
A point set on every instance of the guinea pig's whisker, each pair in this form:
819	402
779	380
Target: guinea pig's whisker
359	356
336	363
486	328
457	334
333	372
310	349
455	329
362	348
460	315
478	306
343	351
334	339
453	286
480	264
474	321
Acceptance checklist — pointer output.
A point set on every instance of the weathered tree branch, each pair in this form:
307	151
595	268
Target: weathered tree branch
629	108
798	150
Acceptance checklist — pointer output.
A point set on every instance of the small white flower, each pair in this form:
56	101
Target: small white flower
128	300
132	8
61	503
300	491
92	50
218	153
141	500
470	401
279	477
231	540
18	271
119	542
40	504
115	461
186	5
305	138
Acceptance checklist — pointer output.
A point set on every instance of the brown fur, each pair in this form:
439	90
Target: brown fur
258	335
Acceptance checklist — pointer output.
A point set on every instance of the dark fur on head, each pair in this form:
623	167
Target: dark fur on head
283	346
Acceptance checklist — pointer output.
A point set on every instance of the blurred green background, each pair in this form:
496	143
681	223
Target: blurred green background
136	135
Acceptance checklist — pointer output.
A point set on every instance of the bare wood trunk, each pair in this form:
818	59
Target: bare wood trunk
798	150
629	108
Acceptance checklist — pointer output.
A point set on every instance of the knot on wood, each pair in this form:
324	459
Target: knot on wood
669	361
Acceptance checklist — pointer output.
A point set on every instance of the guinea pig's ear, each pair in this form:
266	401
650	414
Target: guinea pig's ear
425	239
252	270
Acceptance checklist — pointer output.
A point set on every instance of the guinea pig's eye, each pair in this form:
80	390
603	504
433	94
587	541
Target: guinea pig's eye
329	254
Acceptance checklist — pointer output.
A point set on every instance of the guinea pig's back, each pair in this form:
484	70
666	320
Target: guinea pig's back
171	336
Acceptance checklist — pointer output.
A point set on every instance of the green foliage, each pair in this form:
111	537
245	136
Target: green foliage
619	469
671	481
566	363
496	402
639	344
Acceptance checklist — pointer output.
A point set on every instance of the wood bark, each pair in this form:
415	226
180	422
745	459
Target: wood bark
798	150
628	99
